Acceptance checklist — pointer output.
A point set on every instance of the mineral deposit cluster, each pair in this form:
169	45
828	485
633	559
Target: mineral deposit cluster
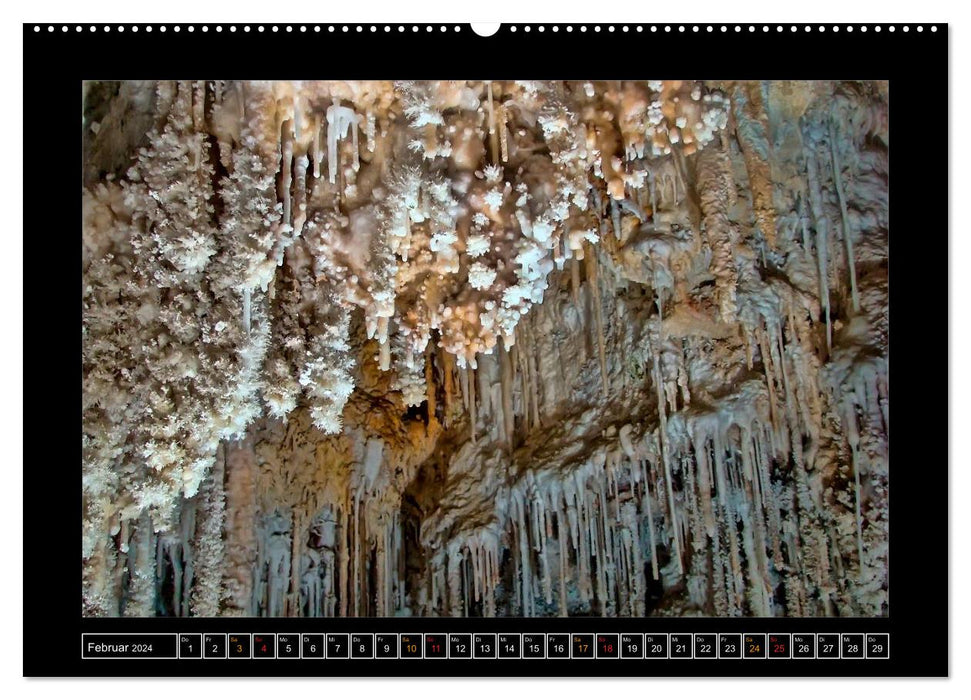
608	348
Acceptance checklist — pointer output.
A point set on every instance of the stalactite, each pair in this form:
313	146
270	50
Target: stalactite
448	384
470	383
844	215
286	181
506	380
716	188
822	246
339	120
752	131
503	134
665	457
593	284
318	151
493	136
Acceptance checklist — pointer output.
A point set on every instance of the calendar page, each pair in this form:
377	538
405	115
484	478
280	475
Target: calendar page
522	356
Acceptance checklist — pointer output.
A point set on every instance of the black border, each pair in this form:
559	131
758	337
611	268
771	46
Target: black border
916	64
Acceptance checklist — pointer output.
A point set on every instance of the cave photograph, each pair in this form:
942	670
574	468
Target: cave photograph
508	348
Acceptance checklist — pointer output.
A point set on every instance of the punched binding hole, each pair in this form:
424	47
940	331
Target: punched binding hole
485	28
